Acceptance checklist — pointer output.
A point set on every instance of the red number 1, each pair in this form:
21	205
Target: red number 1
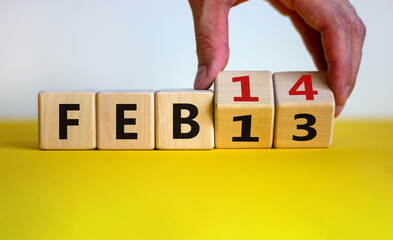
309	91
245	87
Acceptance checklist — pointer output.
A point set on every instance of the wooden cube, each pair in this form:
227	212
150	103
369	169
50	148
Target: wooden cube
304	110
67	120
244	109
184	119
125	120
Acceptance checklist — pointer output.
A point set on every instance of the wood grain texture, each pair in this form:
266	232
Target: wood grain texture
288	106
164	105
143	128
82	136
226	108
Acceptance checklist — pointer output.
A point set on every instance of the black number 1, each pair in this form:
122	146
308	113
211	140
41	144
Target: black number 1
246	130
312	133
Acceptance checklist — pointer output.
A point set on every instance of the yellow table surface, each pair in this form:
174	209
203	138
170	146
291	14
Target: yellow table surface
344	192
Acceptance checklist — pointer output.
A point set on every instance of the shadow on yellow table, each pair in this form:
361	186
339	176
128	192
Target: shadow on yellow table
344	192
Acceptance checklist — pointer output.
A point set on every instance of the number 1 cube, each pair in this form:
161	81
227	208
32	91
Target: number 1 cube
244	109
304	110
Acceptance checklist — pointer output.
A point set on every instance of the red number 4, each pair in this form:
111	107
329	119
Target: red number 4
309	91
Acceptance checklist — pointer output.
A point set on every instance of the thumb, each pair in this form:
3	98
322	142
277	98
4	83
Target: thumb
211	34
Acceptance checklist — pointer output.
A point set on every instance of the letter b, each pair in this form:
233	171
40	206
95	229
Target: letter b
178	121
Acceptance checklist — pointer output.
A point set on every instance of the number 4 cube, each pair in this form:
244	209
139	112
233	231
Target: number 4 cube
304	110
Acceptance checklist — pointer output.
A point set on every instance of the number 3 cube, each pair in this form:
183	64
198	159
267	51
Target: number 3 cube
304	110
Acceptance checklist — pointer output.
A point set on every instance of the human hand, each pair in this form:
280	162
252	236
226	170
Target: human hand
331	29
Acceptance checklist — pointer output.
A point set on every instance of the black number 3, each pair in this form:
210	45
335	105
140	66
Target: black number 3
312	133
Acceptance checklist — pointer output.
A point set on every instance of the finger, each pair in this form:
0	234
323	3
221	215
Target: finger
338	52
358	37
333	22
211	34
358	33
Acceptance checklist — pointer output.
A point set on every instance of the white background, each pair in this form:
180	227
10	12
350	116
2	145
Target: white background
119	44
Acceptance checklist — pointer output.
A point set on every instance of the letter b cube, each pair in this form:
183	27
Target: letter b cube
184	119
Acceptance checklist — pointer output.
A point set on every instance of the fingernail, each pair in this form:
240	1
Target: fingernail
200	77
338	110
346	92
